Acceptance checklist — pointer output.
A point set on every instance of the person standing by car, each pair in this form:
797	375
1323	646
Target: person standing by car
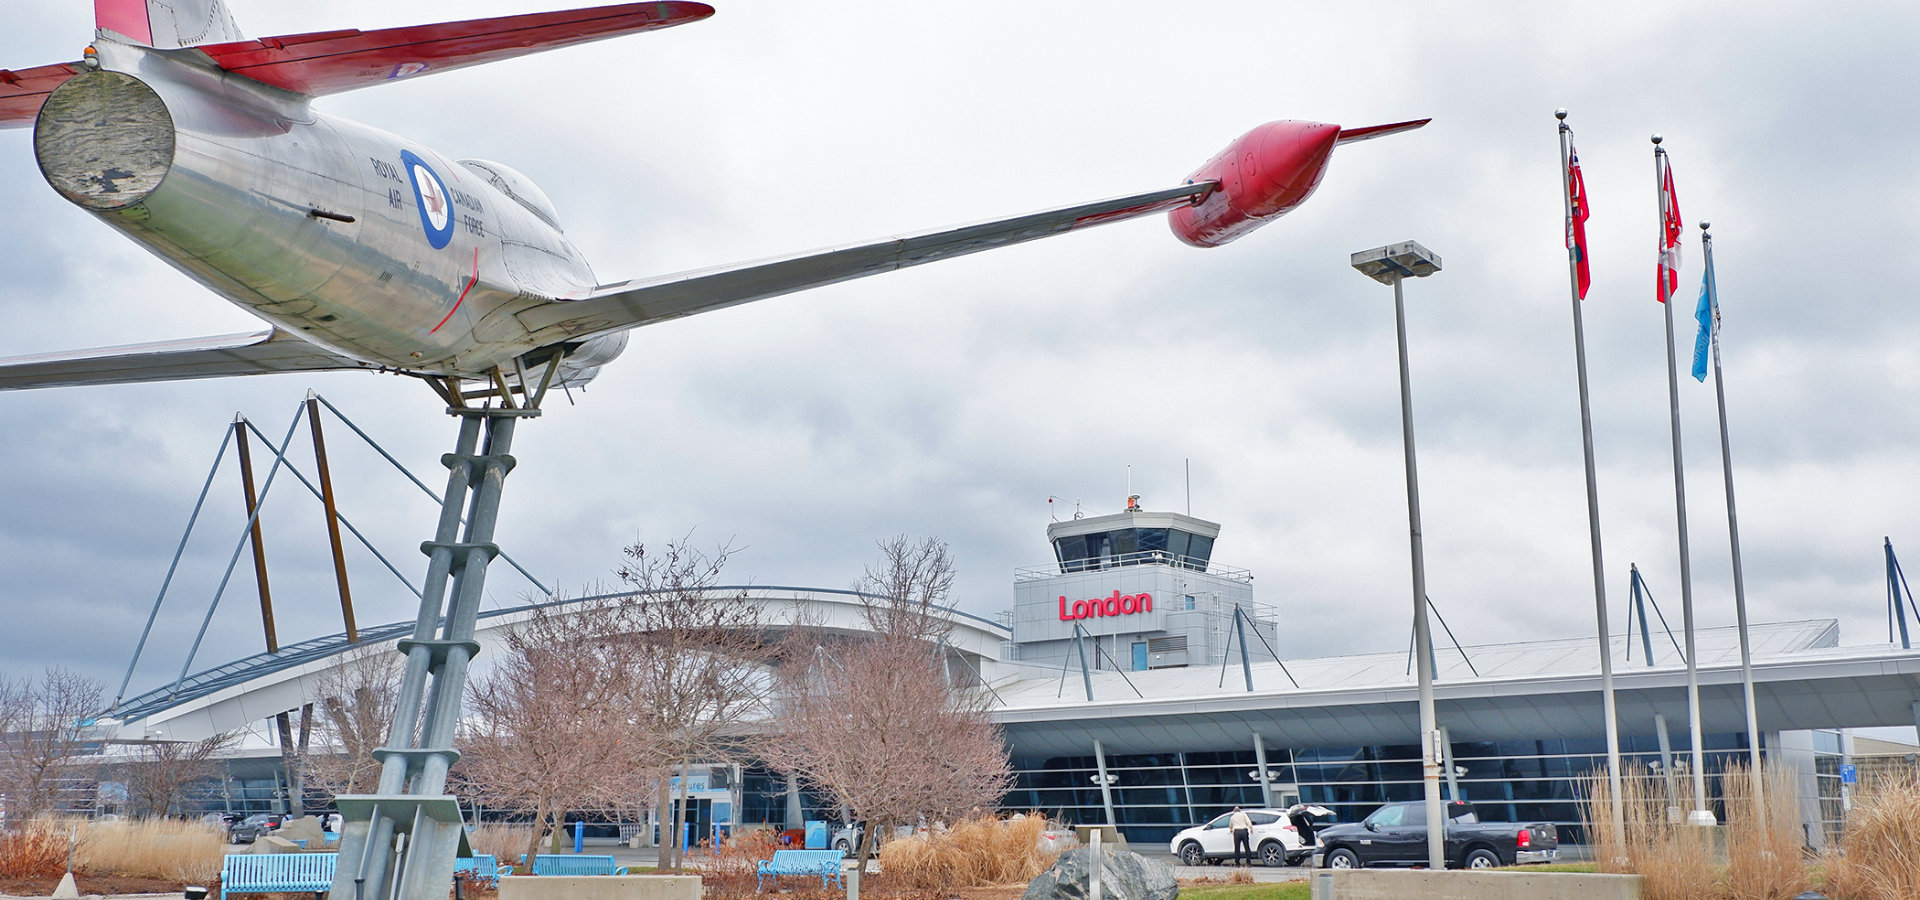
1242	826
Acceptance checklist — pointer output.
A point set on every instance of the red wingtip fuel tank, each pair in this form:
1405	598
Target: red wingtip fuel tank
1267	172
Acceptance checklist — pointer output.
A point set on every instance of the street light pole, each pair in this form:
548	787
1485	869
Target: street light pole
1391	265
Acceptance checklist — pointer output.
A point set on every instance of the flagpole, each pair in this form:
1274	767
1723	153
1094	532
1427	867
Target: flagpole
1593	489
1733	535
1700	814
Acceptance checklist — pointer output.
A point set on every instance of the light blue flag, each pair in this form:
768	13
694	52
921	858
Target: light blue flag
1708	313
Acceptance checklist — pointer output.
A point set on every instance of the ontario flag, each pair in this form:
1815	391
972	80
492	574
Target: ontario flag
1577	219
1671	231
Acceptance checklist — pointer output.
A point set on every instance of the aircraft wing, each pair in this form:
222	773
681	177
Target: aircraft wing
328	62
23	90
261	353
645	301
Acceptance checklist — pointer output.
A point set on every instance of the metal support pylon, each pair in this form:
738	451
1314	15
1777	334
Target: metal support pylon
400	843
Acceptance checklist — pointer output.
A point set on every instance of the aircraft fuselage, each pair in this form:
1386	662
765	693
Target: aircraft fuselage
360	240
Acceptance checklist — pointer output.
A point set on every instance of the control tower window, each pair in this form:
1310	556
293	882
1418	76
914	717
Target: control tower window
1133	547
1072	552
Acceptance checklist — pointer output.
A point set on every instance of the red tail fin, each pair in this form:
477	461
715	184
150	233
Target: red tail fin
165	24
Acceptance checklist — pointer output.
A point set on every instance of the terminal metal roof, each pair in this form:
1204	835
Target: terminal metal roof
240	671
1716	646
1524	691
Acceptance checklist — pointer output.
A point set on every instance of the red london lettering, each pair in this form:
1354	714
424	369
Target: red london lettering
1115	604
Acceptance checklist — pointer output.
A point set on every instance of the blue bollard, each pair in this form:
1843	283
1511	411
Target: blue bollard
579	836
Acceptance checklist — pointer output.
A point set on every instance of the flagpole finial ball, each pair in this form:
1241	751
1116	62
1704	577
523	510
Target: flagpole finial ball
1657	138
1560	114
1705	225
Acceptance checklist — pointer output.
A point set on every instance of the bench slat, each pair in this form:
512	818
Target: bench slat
257	873
822	863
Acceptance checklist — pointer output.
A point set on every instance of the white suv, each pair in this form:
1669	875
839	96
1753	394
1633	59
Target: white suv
1275	840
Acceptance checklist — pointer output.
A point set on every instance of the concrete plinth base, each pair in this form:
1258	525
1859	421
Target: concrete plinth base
66	890
1422	884
601	887
268	843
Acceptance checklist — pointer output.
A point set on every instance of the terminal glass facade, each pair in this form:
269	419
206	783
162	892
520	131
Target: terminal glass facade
1159	794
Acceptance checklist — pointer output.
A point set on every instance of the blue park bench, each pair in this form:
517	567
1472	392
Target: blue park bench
269	873
823	863
480	867
573	864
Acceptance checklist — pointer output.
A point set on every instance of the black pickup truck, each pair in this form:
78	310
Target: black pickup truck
1396	835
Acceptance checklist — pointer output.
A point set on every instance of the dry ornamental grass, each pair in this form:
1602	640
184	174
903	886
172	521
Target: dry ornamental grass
972	853
168	849
1879	856
505	842
1675	861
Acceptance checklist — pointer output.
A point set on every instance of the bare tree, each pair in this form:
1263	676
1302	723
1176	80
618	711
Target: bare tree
41	738
354	702
551	729
160	772
907	595
876	723
698	655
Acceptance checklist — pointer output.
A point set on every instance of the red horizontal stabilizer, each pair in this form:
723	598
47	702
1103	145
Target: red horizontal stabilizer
22	91
1349	135
329	62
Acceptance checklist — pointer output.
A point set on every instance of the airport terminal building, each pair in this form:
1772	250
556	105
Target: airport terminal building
1134	655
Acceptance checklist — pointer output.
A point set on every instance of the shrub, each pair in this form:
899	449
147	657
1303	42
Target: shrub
731	871
35	850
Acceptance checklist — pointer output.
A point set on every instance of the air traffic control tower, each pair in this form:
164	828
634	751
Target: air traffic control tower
1133	591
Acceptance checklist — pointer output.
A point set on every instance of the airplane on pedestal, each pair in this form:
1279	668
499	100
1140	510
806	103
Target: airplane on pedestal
365	250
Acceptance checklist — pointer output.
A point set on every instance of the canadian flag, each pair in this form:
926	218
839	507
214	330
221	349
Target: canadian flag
1671	230
1577	220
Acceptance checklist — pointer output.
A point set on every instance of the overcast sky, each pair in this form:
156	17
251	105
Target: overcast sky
952	400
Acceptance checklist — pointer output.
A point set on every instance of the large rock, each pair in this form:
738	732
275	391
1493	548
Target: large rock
1124	875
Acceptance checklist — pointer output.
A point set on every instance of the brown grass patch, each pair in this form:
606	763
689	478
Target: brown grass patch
990	850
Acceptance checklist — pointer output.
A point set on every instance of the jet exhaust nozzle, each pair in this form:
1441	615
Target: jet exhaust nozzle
104	140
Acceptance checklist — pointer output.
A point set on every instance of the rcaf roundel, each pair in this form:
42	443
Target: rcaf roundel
430	195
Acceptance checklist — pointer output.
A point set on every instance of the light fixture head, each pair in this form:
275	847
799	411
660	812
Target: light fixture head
1396	261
